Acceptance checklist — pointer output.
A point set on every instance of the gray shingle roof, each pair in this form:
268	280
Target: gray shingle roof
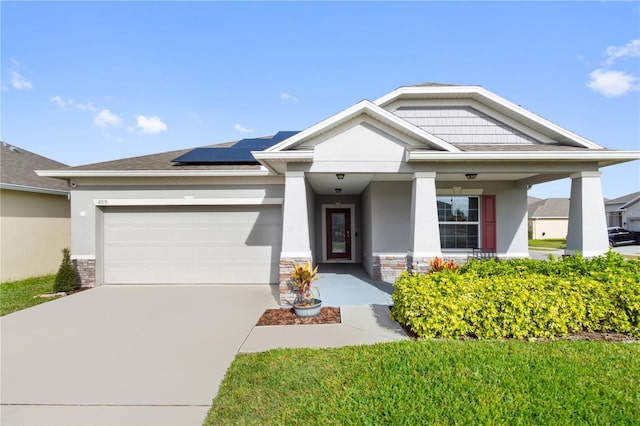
17	168
162	161
624	199
550	208
532	204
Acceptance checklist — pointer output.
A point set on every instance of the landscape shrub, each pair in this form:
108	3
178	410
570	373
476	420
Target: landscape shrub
66	277
522	298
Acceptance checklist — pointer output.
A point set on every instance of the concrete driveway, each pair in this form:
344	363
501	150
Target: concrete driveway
152	355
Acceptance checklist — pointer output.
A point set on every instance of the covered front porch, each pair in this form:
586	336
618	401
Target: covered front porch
348	284
382	224
429	171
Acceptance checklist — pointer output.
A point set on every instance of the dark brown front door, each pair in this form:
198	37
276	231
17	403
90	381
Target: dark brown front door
338	233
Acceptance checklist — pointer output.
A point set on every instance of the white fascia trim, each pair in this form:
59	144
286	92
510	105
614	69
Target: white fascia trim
483	93
488	98
595	155
119	202
287	156
633	201
33	189
149	173
369	108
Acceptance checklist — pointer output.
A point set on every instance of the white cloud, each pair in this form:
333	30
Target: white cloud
61	102
611	83
241	129
288	97
631	49
64	103
85	107
19	82
150	124
106	118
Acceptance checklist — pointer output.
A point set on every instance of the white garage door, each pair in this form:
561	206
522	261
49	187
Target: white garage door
192	245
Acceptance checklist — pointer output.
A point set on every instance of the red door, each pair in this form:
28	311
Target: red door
489	222
338	224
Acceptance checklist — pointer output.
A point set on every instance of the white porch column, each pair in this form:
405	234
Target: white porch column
295	221
425	233
296	247
587	220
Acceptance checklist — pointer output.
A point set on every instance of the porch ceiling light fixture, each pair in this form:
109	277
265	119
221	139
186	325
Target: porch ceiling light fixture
471	176
338	190
340	176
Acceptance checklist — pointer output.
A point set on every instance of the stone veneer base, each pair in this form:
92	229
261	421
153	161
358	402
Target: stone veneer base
389	267
419	265
287	294
85	272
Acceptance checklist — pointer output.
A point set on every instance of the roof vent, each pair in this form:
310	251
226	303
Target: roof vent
13	148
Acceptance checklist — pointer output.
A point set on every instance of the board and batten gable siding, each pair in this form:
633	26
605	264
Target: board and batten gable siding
464	125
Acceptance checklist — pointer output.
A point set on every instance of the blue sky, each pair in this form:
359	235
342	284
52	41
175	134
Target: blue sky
85	82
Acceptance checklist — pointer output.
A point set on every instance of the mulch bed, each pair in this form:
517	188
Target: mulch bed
284	316
330	315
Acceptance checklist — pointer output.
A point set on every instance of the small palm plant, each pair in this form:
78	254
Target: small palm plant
301	277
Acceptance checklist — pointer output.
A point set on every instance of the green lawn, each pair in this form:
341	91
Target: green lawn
550	243
17	295
435	382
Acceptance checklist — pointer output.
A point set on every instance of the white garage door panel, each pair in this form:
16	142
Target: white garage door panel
191	245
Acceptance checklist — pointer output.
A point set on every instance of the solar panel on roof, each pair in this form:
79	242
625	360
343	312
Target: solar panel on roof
239	153
217	155
264	143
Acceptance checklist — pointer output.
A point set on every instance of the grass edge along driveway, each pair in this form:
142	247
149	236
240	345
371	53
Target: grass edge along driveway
22	294
441	382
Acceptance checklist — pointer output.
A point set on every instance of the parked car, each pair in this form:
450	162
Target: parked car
619	235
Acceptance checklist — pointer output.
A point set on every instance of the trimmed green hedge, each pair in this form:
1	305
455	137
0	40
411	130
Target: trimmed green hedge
522	298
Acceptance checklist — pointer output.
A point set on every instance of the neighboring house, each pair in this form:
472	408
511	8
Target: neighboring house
34	215
548	218
624	211
427	170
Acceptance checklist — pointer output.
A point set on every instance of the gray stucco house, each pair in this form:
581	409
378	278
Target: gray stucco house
624	211
424	171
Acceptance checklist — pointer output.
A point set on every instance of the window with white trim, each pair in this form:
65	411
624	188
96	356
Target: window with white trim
459	222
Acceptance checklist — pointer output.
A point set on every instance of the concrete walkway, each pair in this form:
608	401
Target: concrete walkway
149	355
361	325
628	250
348	284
